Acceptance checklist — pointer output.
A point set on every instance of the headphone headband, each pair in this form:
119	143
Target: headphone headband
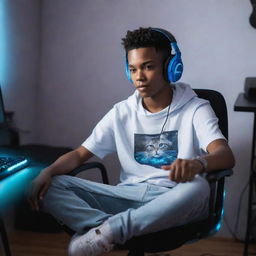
170	37
166	33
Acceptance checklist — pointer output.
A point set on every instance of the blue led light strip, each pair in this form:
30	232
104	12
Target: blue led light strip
17	165
218	226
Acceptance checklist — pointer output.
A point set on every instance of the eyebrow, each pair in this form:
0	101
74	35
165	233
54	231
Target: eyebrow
144	63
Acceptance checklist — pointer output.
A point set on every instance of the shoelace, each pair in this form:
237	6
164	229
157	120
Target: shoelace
94	246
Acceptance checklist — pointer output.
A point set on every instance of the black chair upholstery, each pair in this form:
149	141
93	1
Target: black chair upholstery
173	238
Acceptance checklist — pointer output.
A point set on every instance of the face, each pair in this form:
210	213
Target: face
146	67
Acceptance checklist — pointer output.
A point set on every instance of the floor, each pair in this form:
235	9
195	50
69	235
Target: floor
25	243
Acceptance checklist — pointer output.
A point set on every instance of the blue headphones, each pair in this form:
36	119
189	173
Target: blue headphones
173	67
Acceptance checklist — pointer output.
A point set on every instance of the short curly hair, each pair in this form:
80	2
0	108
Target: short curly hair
147	37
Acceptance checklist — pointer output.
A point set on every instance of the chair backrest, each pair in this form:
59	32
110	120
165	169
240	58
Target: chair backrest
218	104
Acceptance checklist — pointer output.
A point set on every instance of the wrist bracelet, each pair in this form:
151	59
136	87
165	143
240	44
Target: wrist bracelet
203	161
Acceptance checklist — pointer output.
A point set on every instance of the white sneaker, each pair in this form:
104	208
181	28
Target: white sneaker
95	242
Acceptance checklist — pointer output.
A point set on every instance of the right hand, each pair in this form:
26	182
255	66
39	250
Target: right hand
38	189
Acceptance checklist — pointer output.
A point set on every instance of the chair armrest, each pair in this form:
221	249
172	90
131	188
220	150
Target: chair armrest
91	165
217	175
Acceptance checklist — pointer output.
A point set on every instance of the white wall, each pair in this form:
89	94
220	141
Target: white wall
19	51
82	67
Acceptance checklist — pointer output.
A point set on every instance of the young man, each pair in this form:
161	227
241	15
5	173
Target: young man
164	135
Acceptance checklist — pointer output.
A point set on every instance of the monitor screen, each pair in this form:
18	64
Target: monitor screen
2	116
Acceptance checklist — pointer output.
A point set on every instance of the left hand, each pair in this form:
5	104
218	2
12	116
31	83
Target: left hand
182	170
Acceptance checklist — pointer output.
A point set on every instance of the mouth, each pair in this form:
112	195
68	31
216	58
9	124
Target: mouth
142	88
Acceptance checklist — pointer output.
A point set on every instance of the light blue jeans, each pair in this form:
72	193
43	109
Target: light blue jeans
131	210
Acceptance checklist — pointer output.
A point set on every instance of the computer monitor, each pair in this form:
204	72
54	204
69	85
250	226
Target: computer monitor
2	115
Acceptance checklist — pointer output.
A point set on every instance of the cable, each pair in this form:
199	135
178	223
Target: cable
233	233
165	119
239	206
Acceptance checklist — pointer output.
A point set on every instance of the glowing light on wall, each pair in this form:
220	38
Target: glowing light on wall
2	40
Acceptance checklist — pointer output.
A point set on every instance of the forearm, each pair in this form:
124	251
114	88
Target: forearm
69	161
220	157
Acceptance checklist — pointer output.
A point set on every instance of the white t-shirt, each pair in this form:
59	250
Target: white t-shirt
135	134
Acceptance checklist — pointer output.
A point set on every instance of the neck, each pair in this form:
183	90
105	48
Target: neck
159	102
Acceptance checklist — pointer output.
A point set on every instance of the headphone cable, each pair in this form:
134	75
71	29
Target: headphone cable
165	119
167	116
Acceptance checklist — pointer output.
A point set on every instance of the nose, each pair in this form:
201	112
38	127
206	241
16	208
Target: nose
140	75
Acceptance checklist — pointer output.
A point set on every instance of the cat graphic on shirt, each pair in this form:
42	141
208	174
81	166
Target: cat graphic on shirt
156	149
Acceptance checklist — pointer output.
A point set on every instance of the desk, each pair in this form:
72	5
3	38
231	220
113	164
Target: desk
244	105
14	186
11	190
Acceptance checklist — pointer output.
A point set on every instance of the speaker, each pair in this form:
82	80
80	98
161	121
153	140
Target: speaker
250	88
173	66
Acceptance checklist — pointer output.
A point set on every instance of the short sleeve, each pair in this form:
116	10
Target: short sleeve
206	126
101	142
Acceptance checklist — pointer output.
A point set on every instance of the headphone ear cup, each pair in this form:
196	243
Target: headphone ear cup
166	65
174	68
127	71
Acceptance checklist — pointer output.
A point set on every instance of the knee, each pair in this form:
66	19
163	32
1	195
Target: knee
200	183
200	187
49	199
197	188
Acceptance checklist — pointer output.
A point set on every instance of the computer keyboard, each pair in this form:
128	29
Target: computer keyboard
10	165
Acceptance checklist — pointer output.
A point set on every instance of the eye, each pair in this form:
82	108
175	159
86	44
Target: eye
149	67
163	146
132	70
150	147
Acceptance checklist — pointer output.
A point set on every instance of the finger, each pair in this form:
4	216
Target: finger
36	207
189	176
30	196
165	167
183	175
43	191
33	205
187	171
172	173
177	177
34	199
176	166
